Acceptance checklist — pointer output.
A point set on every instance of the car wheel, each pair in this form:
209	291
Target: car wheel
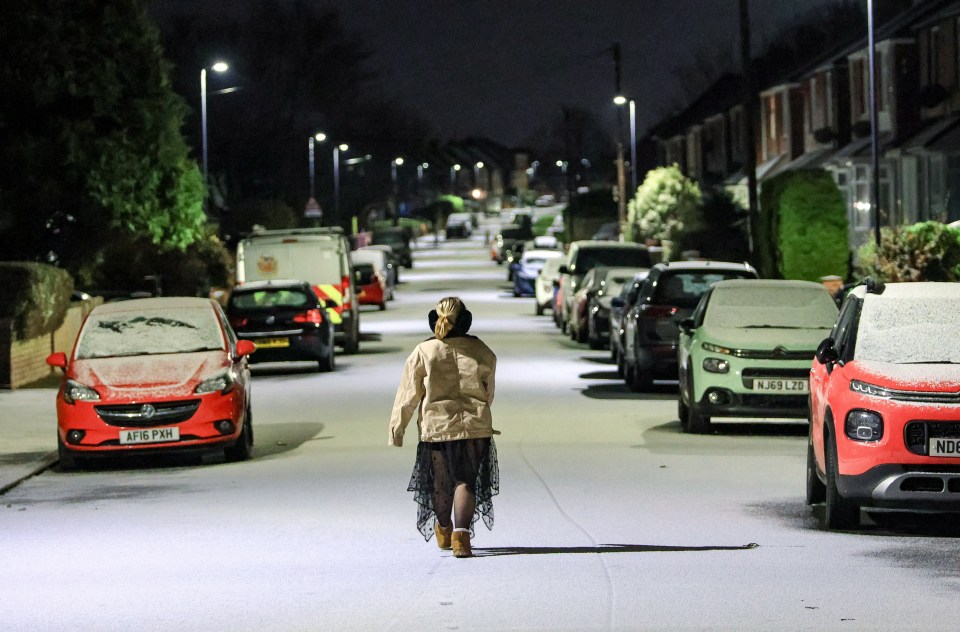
816	490
637	380
329	362
563	326
66	458
539	309
243	448
352	344
382	306
595	343
840	512
697	423
620	365
683	412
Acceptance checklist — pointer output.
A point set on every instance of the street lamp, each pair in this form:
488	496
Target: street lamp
476	174
319	137
420	168
563	169
622	100
216	67
453	178
336	177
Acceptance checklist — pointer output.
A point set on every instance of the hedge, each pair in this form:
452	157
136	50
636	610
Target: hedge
927	251
35	295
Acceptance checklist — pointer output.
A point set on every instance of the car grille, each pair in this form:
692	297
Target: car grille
917	434
778	353
924	397
147	415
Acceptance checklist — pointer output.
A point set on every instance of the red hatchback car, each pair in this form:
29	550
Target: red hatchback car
885	403
151	375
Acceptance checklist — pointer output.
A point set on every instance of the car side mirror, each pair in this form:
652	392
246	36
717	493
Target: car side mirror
245	348
58	359
827	352
617	301
563	270
687	325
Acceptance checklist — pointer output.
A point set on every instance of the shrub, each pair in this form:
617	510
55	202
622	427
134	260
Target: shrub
722	235
802	233
542	224
928	251
35	295
666	206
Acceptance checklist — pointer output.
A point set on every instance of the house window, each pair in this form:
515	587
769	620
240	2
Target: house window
860	210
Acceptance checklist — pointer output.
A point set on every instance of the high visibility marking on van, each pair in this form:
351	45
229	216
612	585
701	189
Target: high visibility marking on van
332	293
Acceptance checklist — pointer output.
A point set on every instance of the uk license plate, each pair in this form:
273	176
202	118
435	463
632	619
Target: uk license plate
944	447
273	343
149	435
780	385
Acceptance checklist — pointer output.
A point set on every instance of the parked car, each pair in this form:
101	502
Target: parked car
509	235
514	253
747	348
459	225
577	316
370	286
619	306
286	320
607	232
884	429
599	303
154	375
584	256
397	238
527	269
393	261
669	294
545	286
382	267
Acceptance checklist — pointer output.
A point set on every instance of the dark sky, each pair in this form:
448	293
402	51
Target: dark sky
502	68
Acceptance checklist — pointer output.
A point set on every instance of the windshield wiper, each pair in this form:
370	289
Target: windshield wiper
777	327
931	362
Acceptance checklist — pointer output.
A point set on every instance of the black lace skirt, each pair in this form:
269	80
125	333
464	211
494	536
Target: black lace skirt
443	465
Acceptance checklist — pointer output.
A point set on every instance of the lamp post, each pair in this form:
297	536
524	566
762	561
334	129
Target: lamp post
319	137
336	177
217	67
874	144
453	178
563	169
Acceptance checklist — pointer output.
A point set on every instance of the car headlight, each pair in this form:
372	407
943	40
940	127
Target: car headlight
223	382
712	348
716	365
864	425
871	390
75	391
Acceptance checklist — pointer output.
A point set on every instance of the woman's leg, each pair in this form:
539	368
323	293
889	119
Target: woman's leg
443	498
464	505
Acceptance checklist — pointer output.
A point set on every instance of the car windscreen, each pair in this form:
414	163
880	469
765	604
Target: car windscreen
514	233
684	288
269	298
389	239
148	332
771	307
909	330
613	285
589	258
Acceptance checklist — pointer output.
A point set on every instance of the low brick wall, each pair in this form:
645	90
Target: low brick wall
24	361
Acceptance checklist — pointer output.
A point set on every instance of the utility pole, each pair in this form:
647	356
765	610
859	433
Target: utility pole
750	120
874	140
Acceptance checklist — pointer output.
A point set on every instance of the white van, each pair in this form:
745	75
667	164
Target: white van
320	256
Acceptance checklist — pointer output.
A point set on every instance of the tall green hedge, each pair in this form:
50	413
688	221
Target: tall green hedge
35	295
802	232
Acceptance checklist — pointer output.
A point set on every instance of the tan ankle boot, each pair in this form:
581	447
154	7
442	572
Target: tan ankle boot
443	535
461	544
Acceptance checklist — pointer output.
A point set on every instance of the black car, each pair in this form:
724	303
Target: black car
509	236
669	294
397	238
619	307
286	321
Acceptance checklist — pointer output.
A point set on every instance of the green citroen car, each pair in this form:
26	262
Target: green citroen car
748	348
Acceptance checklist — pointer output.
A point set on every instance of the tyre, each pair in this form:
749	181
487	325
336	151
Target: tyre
382	306
697	423
243	448
329	362
636	379
683	412
539	309
816	490
67	460
621	367
840	512
352	344
628	371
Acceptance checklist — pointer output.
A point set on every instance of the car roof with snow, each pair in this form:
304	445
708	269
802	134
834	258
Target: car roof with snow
758	284
154	303
909	290
253	286
702	265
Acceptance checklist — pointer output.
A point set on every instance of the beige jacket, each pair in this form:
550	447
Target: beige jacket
451	383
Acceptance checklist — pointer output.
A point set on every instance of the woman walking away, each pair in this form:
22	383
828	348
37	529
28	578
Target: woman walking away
450	378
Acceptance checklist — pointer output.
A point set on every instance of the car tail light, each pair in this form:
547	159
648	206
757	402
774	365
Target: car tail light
237	321
657	311
314	316
346	292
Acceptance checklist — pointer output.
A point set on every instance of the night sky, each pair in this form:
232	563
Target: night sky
503	68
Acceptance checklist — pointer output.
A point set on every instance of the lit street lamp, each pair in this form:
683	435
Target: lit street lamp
453	178
316	138
476	174
621	100
217	67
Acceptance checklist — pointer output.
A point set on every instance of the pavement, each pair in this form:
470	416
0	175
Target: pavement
28	440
